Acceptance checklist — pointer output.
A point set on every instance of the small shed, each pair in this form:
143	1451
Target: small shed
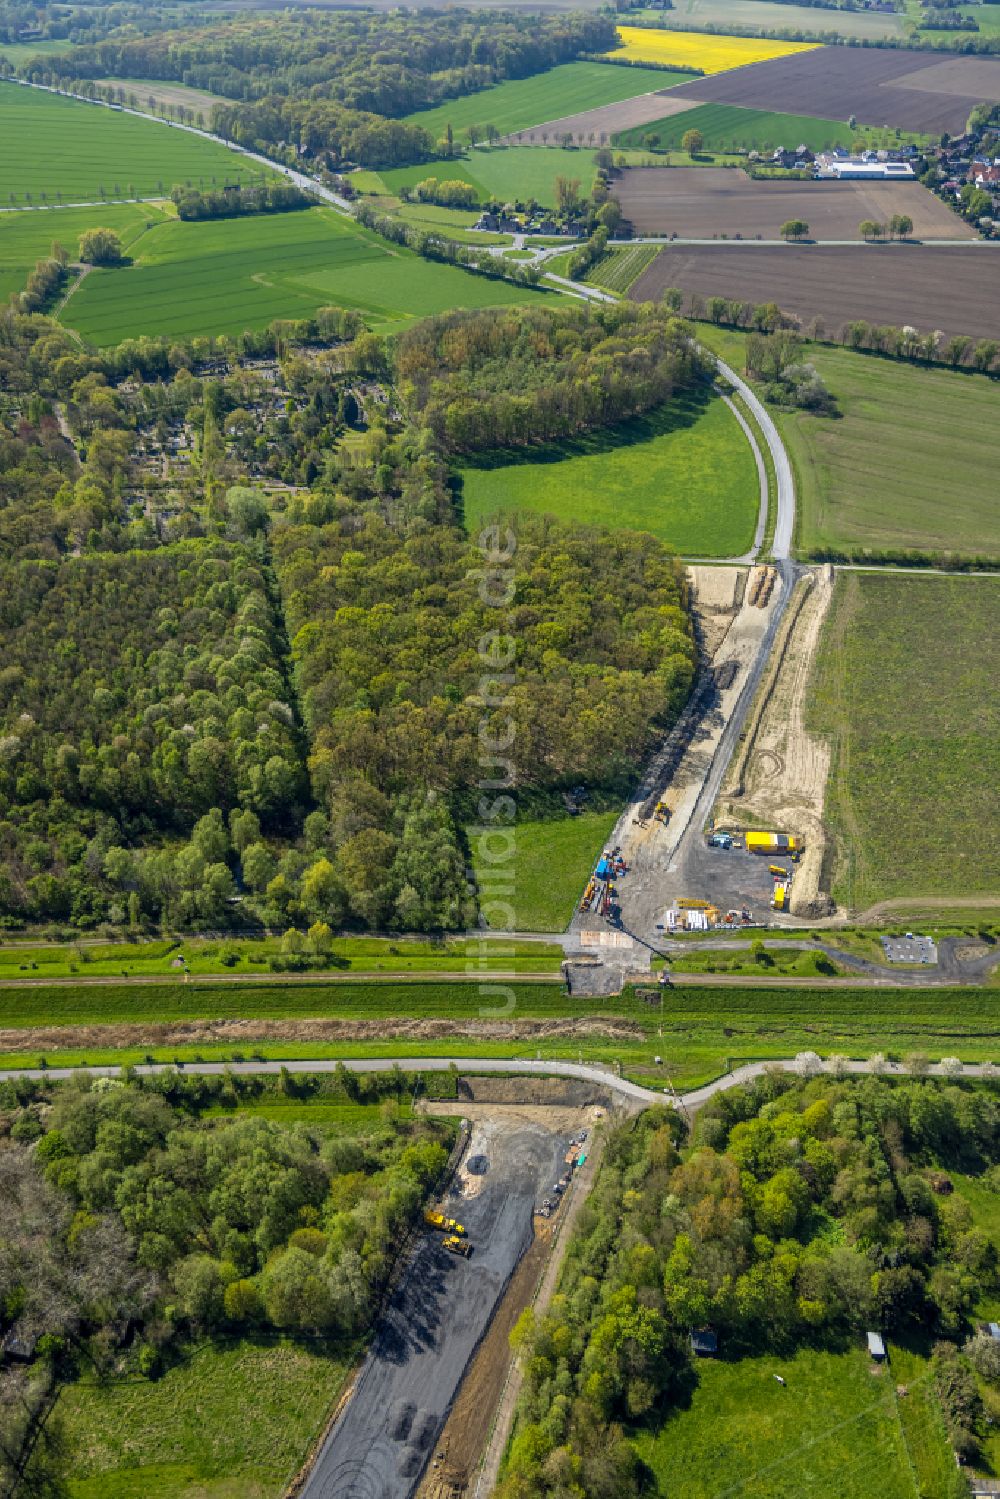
993	1328
704	1342
876	1347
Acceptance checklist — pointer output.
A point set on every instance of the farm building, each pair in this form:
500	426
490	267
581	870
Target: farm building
858	169
876	1347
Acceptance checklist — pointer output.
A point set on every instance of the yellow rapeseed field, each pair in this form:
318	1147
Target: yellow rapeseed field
692	49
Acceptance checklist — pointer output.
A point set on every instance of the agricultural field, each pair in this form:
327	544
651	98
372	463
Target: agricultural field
76	152
833	1427
685	474
552	862
454	222
153	95
27	236
929	287
874	479
891	440
764	15
700	203
258	1405
727	127
708	54
18	52
521	102
900	692
621	267
881	86
598	126
229	275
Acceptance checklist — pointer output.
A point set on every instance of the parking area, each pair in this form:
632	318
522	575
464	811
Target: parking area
910	949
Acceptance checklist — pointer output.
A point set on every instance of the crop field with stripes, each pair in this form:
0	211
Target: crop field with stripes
225	276
63	150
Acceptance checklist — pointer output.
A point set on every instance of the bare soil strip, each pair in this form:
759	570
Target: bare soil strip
604	121
242	1032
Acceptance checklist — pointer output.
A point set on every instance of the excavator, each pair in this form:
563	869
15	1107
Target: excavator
442	1224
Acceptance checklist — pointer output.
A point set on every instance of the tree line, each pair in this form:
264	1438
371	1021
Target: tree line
274	196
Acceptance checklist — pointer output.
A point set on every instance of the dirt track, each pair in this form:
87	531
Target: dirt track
779	776
925	286
703	202
921	91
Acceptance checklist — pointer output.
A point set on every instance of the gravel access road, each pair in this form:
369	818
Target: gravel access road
439	1312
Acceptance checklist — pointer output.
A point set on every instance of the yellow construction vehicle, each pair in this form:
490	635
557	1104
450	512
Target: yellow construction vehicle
779	872
455	1245
662	813
688	903
441	1223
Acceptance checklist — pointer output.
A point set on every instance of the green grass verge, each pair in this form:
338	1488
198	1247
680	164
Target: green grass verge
233	1421
564	90
730	127
552	862
226	276
685	473
833	1428
71	149
901	693
700	1031
246	955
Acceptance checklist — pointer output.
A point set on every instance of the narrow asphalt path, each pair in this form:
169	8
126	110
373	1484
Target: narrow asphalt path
806	1065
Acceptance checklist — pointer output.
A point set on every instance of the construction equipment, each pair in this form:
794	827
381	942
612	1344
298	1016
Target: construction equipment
441	1223
779	900
662	813
771	843
688	903
455	1245
779	871
720	840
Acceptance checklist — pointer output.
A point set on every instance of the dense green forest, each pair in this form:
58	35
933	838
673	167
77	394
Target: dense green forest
137	1222
218	708
508	378
800	1213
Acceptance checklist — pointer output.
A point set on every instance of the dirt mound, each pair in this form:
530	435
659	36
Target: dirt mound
244	1032
565	1092
779	777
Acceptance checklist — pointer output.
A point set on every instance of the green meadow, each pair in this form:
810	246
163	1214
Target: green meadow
508	173
833	1427
552	861
522	102
902	693
685	474
223	277
71	151
259	1405
728	126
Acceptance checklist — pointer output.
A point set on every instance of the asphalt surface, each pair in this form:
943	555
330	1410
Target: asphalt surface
441	1308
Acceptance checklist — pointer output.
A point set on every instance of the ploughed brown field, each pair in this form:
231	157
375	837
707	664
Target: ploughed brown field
604	120
702	202
929	91
922	286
